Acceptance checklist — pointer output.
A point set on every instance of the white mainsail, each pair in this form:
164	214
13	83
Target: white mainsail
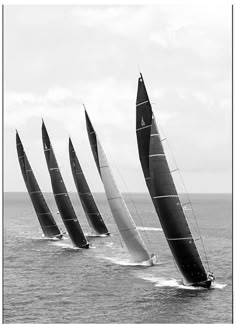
120	212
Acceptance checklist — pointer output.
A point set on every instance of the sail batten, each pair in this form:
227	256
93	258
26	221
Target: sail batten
44	215
89	205
120	212
61	196
164	195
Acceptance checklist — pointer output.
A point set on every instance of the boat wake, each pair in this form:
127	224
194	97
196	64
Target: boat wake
216	285
130	263
141	228
163	282
65	245
176	283
88	235
109	244
52	238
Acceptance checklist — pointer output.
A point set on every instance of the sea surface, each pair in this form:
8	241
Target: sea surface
48	281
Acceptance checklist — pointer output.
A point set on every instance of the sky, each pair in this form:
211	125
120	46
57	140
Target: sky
58	58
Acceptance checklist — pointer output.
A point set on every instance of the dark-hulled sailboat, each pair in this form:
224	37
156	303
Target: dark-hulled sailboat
164	195
61	196
120	212
46	220
90	208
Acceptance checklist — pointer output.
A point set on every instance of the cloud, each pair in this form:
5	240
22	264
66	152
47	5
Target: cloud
122	20
195	28
60	57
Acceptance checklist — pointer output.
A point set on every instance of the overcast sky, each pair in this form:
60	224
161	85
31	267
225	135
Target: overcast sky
59	57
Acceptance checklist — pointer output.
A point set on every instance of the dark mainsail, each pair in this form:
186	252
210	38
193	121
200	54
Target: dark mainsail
61	196
46	220
164	195
90	208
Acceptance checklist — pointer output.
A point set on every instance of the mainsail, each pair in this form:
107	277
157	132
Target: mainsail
120	212
90	208
61	196
164	195
46	220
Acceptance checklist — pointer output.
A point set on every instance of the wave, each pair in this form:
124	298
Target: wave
65	245
141	228
95	235
177	283
130	263
162	282
109	244
217	285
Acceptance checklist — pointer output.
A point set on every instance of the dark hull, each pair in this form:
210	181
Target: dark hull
204	284
61	196
90	208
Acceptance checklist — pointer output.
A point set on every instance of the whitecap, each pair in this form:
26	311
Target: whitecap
141	228
172	282
127	262
217	285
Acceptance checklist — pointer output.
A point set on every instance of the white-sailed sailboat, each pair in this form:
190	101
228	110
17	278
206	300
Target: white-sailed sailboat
120	212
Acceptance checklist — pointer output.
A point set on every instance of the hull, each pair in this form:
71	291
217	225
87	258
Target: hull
203	284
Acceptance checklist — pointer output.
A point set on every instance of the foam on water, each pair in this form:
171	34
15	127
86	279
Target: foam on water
65	245
217	285
164	282
141	228
178	283
109	244
128	262
95	235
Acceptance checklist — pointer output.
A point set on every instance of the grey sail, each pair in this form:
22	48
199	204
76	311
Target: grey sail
164	194
61	196
44	215
90	208
120	212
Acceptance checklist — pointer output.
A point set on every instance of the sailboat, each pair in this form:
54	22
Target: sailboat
164	194
90	208
46	220
61	196
120	212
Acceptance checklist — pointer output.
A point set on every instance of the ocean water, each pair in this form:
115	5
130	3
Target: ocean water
48	281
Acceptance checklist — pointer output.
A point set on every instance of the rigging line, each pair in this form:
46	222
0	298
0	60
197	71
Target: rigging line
121	240
132	201
194	215
192	209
